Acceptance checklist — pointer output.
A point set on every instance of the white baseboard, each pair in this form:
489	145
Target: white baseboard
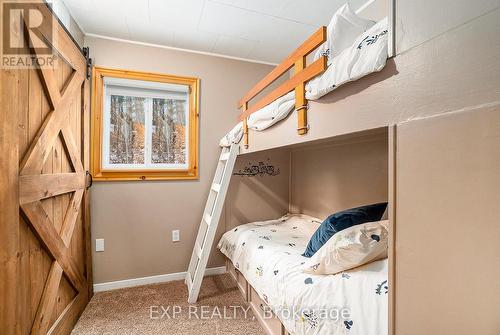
113	285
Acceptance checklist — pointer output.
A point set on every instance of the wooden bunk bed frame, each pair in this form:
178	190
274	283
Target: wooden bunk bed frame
302	73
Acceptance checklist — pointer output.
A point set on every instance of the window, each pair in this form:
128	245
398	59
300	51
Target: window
144	126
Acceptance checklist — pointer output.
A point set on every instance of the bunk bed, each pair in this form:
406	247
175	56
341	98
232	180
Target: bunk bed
265	258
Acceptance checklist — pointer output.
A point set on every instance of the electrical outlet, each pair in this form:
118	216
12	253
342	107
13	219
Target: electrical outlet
99	244
176	236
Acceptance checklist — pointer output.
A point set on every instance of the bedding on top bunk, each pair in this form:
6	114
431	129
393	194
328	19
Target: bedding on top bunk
262	119
355	47
366	55
268	254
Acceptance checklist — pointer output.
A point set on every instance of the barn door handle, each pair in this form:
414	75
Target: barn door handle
91	180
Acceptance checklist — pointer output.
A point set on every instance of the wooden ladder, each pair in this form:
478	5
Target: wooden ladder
210	221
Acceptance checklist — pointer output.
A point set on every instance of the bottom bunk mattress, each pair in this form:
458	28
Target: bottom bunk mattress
269	255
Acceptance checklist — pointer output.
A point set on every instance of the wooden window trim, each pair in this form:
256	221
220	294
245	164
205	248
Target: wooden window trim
98	173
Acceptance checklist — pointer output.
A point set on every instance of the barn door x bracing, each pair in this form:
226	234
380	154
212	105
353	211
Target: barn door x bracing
46	244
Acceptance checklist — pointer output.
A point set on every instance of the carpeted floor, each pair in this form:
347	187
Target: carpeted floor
163	309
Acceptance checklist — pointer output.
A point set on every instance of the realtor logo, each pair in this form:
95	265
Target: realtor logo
27	35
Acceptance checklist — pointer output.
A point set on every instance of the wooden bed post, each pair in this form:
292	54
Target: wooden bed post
245	127
300	98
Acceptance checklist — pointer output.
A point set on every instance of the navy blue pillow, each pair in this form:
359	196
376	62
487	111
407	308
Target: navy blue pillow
342	220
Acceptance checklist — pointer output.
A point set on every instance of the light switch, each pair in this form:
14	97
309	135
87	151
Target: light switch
176	236
99	244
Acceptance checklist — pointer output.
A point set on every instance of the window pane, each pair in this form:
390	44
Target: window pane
126	140
169	132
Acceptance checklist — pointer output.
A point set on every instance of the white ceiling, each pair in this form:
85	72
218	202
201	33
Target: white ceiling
260	30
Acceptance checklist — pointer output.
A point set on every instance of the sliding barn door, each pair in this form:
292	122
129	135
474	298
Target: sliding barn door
45	279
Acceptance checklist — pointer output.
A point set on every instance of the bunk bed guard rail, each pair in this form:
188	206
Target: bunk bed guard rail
302	73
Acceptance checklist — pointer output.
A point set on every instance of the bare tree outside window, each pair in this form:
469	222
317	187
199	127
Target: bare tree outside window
127	122
169	132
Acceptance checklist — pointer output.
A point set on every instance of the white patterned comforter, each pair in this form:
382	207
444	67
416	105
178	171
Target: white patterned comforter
268	254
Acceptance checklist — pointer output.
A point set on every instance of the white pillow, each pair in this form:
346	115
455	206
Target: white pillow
342	30
367	54
350	248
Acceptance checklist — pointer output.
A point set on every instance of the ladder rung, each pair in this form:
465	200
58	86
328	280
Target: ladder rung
216	187
197	248
207	219
224	156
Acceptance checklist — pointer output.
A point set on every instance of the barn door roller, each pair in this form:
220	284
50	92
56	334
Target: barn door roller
88	60
90	178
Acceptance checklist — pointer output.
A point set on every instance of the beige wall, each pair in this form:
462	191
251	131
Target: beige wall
136	218
330	177
447	228
420	21
262	197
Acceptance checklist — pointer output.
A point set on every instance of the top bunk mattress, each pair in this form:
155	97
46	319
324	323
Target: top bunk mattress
355	47
269	255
